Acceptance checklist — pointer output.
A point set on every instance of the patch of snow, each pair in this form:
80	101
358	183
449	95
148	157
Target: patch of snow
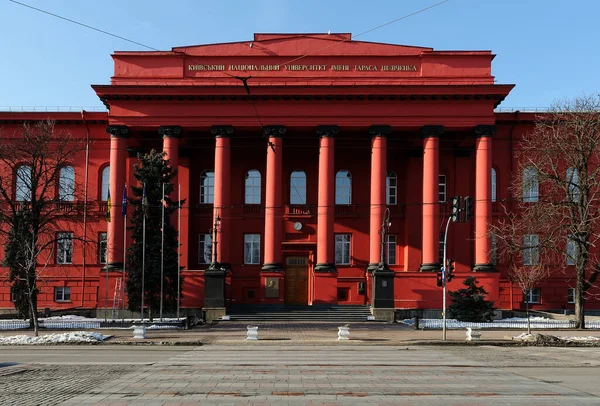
71	337
162	327
549	338
514	322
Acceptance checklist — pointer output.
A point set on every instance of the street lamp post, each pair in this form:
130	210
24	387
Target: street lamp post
385	226
382	300
215	231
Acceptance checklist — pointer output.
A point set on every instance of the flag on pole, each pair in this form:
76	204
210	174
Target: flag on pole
108	206
145	201
124	203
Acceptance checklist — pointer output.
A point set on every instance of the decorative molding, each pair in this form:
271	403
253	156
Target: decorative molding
380	130
170	131
429	131
220	131
485	131
274	131
328	131
118	131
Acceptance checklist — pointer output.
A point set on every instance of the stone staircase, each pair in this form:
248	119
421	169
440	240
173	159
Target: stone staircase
298	313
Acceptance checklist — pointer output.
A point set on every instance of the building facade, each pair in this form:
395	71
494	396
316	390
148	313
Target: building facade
298	148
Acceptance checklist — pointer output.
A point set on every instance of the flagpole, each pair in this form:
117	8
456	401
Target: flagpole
144	203
162	250
178	246
124	209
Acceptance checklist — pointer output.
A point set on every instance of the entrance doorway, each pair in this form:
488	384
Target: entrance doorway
296	280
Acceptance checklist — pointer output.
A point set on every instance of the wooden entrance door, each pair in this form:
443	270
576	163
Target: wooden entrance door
296	280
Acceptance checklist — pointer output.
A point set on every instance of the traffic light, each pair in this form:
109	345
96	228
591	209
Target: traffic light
468	208
450	273
456	208
439	278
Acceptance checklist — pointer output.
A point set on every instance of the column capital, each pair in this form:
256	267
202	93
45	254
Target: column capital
220	131
274	131
484	130
170	131
118	131
328	131
429	131
380	130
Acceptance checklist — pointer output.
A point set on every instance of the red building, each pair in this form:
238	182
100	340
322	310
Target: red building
299	143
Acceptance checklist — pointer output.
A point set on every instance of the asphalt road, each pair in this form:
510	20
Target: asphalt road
275	374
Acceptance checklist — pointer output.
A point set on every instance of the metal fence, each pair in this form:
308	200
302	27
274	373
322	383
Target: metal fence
88	324
436	324
34	109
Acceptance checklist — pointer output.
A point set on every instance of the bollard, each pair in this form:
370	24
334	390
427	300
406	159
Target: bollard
139	332
252	333
416	322
344	333
473	334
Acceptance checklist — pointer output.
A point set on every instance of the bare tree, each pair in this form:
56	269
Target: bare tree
554	215
527	278
38	201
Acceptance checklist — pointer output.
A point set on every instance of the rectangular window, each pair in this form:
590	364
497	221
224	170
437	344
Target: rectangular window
442	188
342	249
494	250
102	248
532	295
531	185
64	248
13	294
571	250
204	248
251	248
391	189
391	250
531	253
441	248
62	294
571	295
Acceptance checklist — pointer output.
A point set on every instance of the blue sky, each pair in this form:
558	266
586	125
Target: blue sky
548	48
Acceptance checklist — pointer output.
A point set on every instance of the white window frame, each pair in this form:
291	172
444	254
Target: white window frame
531	185
531	252
391	188
104	183
102	248
442	189
252	187
62	293
573	191
207	187
66	184
571	250
441	248
252	249
23	184
343	187
532	295
298	187
64	248
494	185
343	253
494	249
571	295
392	249
204	248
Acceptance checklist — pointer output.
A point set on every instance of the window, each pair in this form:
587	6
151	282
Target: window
530	185
23	184
343	187
531	253
64	248
204	249
298	187
571	295
442	188
104	183
252	249
391	188
573	184
494	250
207	187
531	295
571	250
102	248
493	185
391	249
62	294
13	294
342	249
252	187
441	248
66	184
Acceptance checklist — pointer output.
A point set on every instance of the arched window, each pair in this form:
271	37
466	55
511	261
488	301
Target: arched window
298	187
493	185
66	184
252	187
105	181
207	187
530	185
23	184
573	184
391	188
343	187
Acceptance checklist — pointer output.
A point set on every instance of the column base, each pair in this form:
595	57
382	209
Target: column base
372	266
484	268
325	268
429	267
214	286
272	267
383	288
213	313
387	315
113	266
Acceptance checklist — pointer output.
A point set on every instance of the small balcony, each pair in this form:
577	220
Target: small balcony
345	210
300	210
253	211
